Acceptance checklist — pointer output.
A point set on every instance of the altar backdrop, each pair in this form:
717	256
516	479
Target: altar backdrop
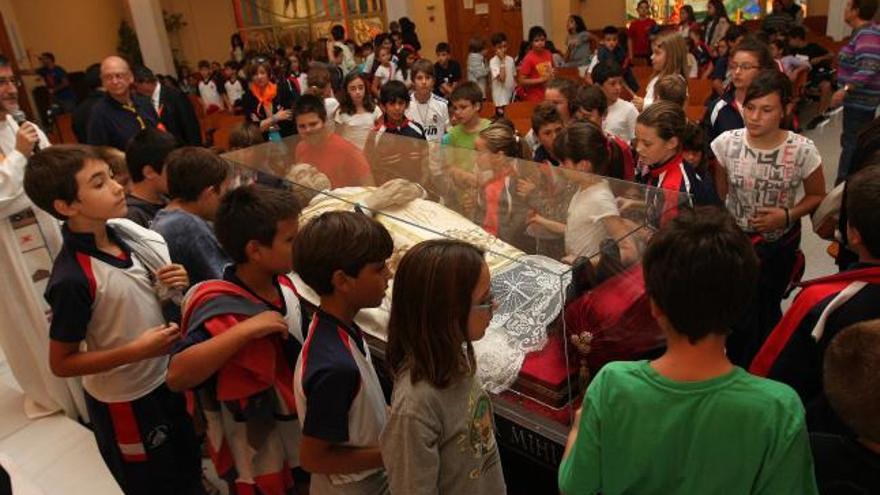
666	11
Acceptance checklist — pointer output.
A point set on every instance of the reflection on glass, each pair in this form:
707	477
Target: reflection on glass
569	300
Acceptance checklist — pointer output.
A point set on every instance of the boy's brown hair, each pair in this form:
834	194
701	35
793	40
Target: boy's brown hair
251	213
319	80
245	134
672	88
469	91
851	380
545	113
192	169
51	174
700	270
115	158
666	118
863	207
338	240
589	98
423	66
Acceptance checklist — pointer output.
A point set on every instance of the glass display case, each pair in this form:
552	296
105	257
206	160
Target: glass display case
563	247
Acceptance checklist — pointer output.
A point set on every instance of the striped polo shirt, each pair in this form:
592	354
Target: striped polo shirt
106	302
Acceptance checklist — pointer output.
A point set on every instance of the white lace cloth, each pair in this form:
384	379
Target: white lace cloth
529	289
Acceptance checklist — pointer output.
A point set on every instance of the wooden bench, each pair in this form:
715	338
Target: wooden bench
699	90
694	113
520	113
570	73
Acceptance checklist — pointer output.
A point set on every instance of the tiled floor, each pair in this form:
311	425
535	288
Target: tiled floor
76	445
827	140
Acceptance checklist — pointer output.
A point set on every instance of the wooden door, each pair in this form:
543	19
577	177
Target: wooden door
466	19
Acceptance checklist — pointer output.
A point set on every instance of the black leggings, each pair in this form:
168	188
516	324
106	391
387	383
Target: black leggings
778	261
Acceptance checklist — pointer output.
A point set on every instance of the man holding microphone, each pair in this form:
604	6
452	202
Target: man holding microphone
29	240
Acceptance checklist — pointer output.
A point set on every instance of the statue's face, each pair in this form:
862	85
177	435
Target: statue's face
308	176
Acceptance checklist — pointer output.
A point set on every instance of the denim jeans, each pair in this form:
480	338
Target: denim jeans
854	120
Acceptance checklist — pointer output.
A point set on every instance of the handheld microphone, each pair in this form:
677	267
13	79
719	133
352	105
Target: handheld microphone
20	118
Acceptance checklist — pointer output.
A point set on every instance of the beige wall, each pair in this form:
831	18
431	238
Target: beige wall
430	33
210	23
600	13
558	21
79	32
82	32
818	7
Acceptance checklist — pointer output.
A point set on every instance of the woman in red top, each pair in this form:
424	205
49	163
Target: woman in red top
639	30
536	67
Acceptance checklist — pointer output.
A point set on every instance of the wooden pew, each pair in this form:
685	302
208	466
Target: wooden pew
699	91
520	113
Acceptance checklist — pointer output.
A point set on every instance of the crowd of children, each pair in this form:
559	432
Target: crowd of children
285	395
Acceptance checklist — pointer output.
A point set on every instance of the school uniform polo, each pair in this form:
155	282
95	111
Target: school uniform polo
142	429
392	157
724	115
106	301
678	176
339	398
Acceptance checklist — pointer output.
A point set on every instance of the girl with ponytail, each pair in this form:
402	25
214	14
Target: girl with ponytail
506	190
586	154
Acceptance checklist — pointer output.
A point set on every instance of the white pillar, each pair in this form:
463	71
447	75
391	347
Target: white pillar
837	28
535	13
395	9
152	37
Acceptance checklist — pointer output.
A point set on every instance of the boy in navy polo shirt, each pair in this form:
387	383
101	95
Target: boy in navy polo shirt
145	160
242	336
103	290
389	156
341	405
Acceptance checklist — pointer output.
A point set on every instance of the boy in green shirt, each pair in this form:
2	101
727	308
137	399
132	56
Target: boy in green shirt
466	101
690	421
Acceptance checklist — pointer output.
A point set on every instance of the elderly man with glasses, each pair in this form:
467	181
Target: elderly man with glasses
29	240
120	115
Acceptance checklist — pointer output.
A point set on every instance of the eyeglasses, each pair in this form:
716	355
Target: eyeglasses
112	76
10	80
489	305
743	67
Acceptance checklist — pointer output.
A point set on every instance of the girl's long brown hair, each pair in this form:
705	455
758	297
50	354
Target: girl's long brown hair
584	141
430	308
676	54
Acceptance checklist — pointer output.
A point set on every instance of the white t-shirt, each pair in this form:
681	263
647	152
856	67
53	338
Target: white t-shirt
584	231
433	116
649	92
303	79
764	178
693	68
331	104
356	127
234	90
398	76
621	120
209	94
384	74
502	92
